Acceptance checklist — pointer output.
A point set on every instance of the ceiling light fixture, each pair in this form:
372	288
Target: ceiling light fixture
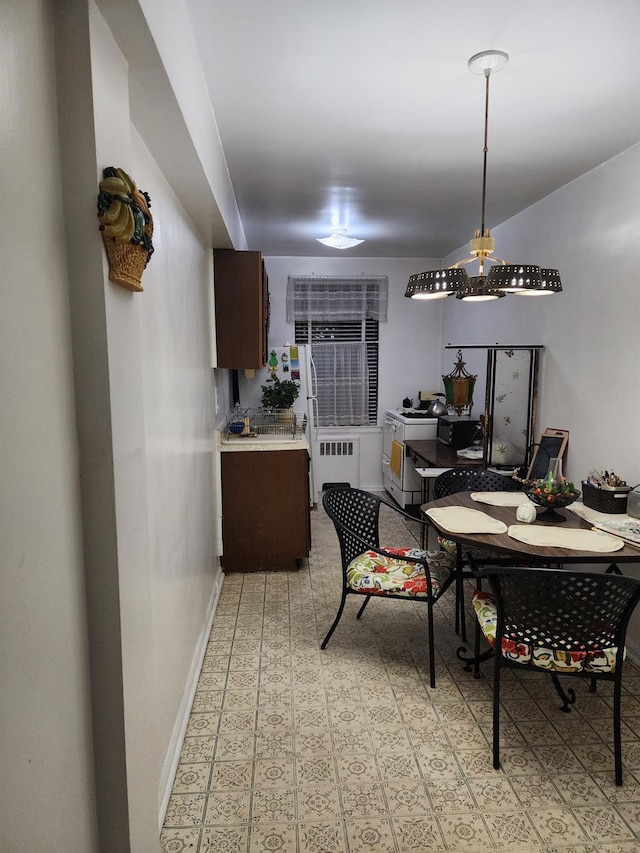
338	240
503	277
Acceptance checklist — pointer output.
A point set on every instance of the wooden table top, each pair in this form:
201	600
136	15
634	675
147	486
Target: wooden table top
438	455
503	543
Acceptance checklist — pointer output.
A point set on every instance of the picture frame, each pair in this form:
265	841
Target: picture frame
553	443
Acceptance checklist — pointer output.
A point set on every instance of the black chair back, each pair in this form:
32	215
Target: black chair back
472	480
536	606
355	515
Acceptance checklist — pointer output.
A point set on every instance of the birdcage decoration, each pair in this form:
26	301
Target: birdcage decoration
458	386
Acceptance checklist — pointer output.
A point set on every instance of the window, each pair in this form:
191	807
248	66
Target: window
339	318
346	360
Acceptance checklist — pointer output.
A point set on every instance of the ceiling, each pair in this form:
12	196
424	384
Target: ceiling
363	114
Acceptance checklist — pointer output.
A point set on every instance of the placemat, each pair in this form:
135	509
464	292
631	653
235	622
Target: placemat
462	519
500	498
558	537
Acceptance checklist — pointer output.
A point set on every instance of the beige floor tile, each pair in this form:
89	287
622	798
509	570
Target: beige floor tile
364	800
464	831
192	778
274	719
274	772
173	840
370	836
239	699
313	742
185	810
319	803
266	838
495	793
400	767
231	775
274	743
321	838
196	749
437	763
273	805
202	724
350	740
233	839
605	823
511	830
227	808
418	835
557	826
357	768
315	770
405	799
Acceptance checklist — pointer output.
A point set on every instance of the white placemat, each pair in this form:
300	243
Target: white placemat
500	498
559	537
462	519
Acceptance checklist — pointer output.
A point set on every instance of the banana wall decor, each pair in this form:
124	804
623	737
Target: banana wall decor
127	227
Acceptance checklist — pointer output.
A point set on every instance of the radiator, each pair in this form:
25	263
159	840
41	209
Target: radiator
338	461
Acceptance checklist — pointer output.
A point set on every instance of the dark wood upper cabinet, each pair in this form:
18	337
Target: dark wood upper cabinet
242	308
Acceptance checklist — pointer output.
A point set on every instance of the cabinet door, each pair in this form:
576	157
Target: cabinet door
242	308
265	510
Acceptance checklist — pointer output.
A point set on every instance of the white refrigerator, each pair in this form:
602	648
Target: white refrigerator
289	362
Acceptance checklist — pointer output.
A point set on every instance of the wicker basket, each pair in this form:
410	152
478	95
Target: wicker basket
605	500
126	262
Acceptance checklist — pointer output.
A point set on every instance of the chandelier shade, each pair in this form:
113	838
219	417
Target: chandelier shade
503	276
524	280
436	284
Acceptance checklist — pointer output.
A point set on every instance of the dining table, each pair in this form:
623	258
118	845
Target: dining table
505	545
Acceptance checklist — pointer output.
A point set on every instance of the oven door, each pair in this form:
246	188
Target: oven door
389	430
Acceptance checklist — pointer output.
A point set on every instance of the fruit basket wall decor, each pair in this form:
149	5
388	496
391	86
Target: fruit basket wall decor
127	227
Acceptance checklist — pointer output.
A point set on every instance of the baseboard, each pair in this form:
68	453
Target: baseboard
174	749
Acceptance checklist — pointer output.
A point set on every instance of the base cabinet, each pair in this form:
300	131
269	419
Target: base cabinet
265	510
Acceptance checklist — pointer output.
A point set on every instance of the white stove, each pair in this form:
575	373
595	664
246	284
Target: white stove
398	473
411	416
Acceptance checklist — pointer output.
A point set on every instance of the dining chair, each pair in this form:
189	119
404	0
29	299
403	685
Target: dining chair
467	479
369	570
557	622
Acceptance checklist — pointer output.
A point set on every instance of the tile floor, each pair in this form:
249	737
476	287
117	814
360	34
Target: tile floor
290	749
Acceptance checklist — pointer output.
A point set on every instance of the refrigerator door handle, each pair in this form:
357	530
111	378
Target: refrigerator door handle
314	379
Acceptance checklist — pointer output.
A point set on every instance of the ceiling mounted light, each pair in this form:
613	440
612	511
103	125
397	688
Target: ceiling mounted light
338	240
503	277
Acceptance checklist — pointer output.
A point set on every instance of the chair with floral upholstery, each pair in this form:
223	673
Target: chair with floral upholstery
558	622
370	570
467	479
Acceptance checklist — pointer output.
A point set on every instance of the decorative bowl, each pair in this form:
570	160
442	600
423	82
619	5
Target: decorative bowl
551	496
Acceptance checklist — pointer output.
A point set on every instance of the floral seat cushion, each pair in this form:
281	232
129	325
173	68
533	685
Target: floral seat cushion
556	659
374	573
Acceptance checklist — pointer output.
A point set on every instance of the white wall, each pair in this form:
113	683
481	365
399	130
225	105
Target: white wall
161	390
410	340
590	231
47	799
108	411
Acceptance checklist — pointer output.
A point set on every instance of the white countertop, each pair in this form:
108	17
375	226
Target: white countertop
234	444
399	415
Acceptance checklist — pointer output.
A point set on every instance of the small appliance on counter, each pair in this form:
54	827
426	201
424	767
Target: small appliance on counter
458	431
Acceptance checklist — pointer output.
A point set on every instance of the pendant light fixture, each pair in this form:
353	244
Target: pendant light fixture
503	277
338	239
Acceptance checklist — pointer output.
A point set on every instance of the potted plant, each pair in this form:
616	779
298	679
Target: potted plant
279	393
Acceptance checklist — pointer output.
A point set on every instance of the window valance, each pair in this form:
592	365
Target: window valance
328	298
